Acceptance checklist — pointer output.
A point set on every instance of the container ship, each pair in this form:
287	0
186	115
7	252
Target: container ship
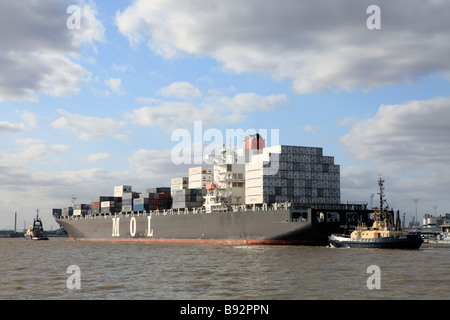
254	195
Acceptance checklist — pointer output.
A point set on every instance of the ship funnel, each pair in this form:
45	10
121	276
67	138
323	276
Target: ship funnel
255	142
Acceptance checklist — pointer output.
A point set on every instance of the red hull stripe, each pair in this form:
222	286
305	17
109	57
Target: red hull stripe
198	241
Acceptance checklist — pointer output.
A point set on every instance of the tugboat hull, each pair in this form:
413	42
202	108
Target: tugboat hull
28	237
402	242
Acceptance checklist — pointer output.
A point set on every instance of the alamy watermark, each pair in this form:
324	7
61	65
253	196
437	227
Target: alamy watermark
74	280
197	147
74	20
374	280
374	20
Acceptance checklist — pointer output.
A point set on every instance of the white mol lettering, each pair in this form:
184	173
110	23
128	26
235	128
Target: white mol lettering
115	227
133	226
149	229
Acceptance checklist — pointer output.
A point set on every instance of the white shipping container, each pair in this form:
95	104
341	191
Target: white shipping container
107	204
120	190
180	180
201	170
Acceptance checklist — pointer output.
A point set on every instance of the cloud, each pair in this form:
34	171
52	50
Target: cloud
97	157
86	127
116	86
11	128
14	128
320	46
309	128
414	134
162	165
212	110
148	100
29	118
37	52
47	190
180	90
408	145
33	149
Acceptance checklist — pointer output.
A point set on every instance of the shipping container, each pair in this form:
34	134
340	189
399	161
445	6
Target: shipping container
158	190
57	212
130	195
127	208
120	190
181	180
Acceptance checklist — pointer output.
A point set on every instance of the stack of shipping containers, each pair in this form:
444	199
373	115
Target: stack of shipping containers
127	201
67	212
179	183
291	173
82	209
119	191
105	205
187	198
199	177
110	205
153	199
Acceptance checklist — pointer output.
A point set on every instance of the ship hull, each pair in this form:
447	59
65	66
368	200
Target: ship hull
403	242
233	228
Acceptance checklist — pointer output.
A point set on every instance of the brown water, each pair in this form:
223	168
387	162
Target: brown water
38	270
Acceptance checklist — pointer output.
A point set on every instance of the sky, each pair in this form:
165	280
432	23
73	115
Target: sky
93	94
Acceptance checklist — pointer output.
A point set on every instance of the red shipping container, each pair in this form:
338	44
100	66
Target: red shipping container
95	205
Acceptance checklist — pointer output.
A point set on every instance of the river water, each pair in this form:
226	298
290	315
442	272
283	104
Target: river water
40	270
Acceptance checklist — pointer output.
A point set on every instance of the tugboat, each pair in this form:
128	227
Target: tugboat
383	233
36	231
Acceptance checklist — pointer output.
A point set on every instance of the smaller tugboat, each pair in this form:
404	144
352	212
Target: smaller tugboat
36	231
383	233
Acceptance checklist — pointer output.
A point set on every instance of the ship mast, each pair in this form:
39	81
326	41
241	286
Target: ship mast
381	193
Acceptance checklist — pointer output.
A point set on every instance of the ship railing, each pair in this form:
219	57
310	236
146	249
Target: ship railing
233	208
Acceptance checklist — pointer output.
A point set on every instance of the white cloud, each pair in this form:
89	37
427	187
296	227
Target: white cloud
14	128
91	29
97	157
412	134
33	149
47	190
148	100
11	128
160	167
213	110
180	90
321	46
29	118
408	145
38	51
115	84
86	127
309	128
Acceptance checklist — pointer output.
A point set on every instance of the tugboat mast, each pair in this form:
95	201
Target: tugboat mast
381	193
